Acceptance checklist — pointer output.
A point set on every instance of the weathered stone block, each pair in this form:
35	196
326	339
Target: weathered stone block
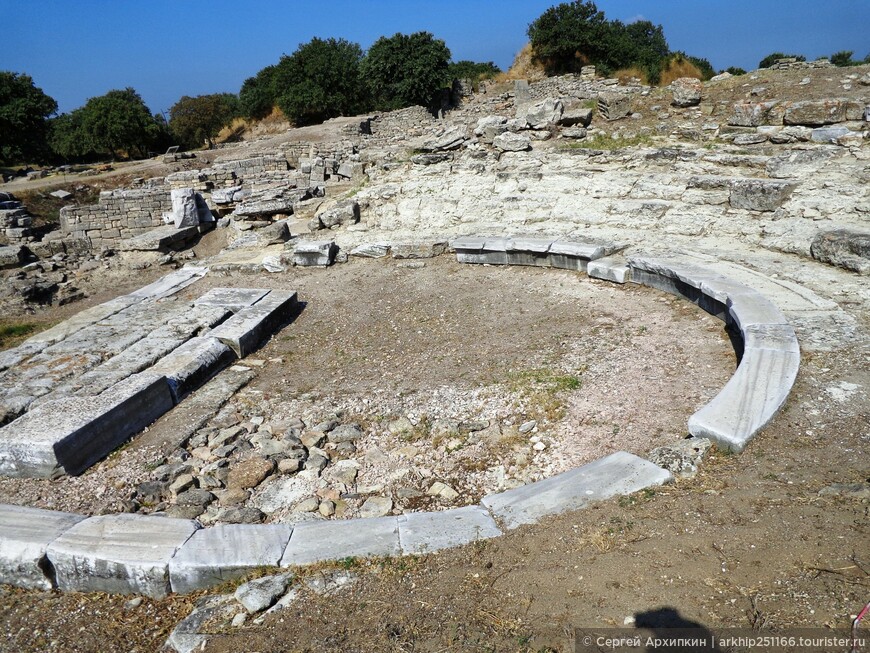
69	435
121	554
250	326
617	474
25	534
215	555
336	539
424	532
311	253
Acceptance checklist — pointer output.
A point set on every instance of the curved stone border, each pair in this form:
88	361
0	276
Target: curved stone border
156	555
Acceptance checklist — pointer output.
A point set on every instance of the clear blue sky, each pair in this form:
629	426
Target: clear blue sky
77	49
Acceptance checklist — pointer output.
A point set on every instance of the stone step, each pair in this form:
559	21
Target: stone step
770	355
562	253
164	239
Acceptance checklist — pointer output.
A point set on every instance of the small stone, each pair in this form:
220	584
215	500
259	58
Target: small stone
240	515
239	619
327	508
289	465
400	426
443	491
316	462
133	603
195	497
182	483
249	473
312	438
345	433
376	507
257	595
539	446
525	427
308	505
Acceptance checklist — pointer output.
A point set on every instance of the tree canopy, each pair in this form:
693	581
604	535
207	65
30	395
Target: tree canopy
24	113
403	70
257	95
194	120
472	70
572	34
320	80
115	124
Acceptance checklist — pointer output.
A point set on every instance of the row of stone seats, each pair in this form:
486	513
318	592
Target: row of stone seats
767	347
155	555
542	252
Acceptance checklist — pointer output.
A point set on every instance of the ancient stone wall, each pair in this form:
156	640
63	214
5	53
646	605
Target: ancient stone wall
118	214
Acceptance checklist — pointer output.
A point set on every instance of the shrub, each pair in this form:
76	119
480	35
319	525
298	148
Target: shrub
257	95
843	58
404	70
734	70
679	66
770	59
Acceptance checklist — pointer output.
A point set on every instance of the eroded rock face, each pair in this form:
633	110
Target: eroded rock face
752	114
843	248
817	112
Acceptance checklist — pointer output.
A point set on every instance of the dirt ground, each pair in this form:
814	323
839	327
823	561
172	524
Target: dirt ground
748	542
376	342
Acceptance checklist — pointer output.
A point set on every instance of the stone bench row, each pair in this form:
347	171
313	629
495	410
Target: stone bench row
155	555
768	348
540	252
69	434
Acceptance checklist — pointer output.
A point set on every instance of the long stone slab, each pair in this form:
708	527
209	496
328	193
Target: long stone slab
617	474
121	554
425	532
25	534
756	391
234	299
336	539
162	239
215	555
193	363
69	435
249	327
170	284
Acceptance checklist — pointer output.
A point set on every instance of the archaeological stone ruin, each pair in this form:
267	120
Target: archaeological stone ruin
751	206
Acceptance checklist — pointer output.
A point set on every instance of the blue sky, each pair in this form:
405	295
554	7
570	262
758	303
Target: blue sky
77	49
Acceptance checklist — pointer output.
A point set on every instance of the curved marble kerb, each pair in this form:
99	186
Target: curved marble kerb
156	555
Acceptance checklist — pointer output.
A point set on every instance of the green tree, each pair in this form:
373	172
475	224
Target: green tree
570	35
403	70
770	59
320	80
24	113
120	122
67	138
734	70
474	71
843	58
257	95
194	120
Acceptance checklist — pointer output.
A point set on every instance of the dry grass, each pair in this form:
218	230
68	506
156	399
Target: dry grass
676	67
523	67
233	132
628	75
